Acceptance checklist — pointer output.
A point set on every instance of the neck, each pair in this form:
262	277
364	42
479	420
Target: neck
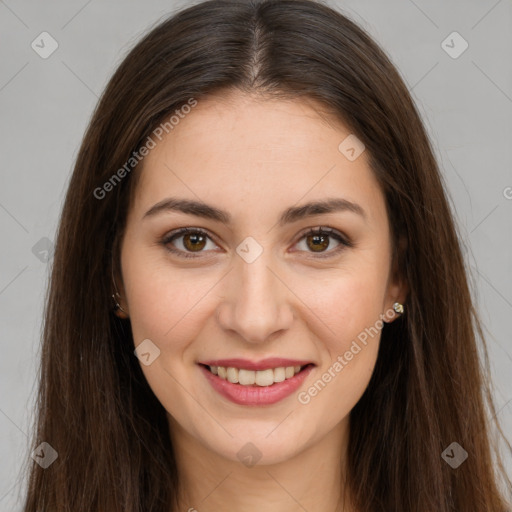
312	480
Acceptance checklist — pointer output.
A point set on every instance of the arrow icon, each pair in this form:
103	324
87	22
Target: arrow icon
452	45
245	249
44	45
454	455
147	352
351	146
44	454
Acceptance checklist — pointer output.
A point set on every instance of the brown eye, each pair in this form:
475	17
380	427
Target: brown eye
319	241
194	242
187	241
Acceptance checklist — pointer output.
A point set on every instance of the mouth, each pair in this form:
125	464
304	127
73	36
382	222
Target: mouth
261	378
264	386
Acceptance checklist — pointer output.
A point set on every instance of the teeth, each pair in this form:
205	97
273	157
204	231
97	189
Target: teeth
265	377
251	377
279	374
232	375
246	377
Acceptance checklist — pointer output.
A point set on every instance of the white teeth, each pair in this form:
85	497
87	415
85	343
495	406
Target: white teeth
232	375
251	377
246	377
265	377
279	374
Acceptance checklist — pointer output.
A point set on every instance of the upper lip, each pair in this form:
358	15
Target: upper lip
263	364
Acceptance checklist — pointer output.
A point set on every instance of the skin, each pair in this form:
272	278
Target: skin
254	158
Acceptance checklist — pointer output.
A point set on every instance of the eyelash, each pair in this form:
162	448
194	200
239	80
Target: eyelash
325	231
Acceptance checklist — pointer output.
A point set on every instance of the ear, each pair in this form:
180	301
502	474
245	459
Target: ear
397	288
120	307
118	294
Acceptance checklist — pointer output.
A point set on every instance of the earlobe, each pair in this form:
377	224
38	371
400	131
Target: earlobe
399	288
118	309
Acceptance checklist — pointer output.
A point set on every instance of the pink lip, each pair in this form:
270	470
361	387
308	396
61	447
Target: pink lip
255	395
264	364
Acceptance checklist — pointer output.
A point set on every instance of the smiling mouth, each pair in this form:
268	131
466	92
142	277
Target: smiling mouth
255	378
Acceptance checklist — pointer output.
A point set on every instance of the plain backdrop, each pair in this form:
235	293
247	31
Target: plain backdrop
465	98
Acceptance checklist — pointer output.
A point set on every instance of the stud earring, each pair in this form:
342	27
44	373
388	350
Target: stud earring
398	308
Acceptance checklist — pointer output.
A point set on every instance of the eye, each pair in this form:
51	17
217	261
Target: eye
318	240
194	240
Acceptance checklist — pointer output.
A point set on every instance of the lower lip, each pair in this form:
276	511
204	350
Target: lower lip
256	395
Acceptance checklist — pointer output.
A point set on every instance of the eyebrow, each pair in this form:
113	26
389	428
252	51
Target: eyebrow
292	214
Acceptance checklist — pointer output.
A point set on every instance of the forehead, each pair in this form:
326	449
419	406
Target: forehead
237	150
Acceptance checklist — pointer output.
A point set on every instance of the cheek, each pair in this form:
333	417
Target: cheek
349	348
344	303
348	308
167	305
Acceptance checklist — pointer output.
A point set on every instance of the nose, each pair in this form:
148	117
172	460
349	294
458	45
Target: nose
257	304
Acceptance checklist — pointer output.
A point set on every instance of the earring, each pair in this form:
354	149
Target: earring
398	308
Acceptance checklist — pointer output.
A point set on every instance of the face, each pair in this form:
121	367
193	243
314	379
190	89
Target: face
254	285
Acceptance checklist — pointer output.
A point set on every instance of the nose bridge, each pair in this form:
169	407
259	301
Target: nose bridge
257	305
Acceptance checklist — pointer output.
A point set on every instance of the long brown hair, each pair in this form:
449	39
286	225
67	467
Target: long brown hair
429	387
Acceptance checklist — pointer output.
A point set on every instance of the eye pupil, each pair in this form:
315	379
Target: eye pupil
320	242
194	242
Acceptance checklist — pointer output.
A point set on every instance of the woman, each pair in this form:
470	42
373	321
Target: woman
258	299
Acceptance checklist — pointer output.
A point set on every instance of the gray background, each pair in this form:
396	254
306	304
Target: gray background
45	104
